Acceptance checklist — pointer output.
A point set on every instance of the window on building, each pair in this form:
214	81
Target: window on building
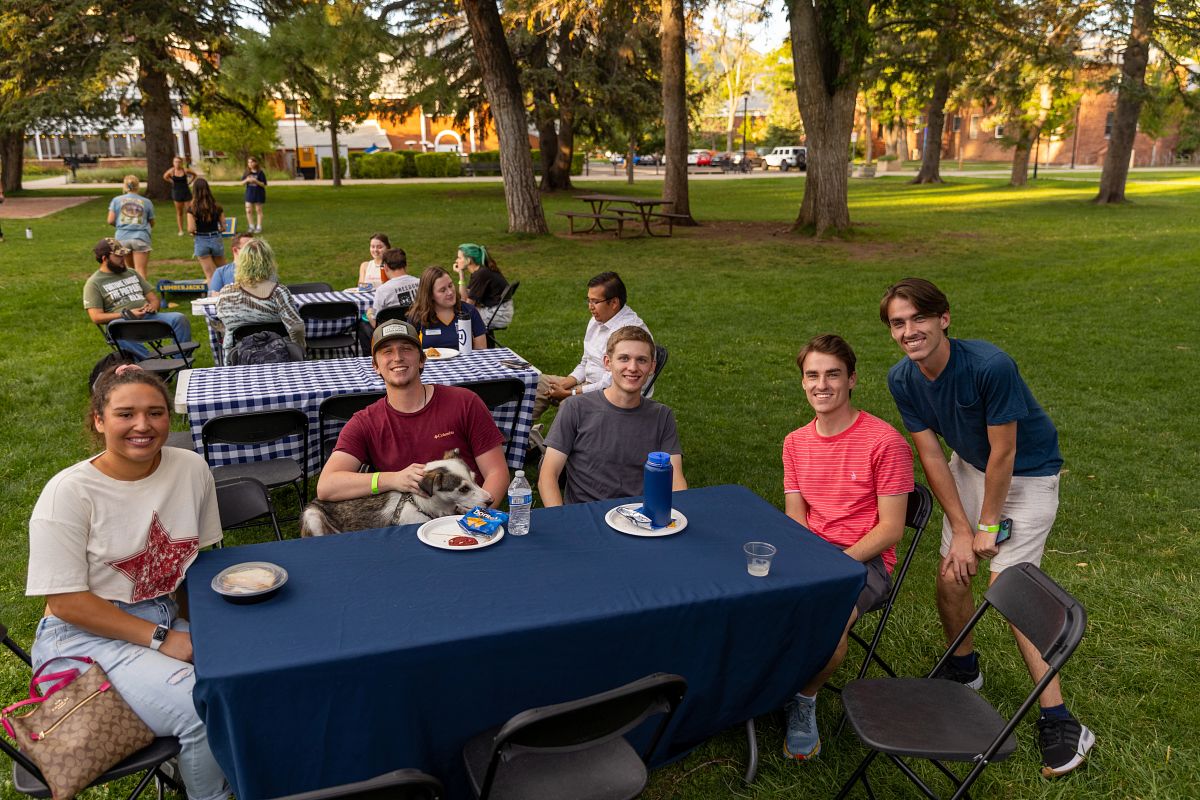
1108	123
974	129
289	109
999	131
957	125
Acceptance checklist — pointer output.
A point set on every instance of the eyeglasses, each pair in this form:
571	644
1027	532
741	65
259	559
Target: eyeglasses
592	302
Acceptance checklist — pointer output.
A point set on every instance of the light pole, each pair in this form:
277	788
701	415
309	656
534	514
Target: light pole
745	125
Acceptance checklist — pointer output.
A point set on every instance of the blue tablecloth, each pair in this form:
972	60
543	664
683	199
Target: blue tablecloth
214	391
382	653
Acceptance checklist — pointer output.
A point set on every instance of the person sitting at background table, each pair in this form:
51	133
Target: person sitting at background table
443	320
110	540
223	276
413	424
256	296
400	288
206	222
846	477
486	286
370	272
112	292
605	436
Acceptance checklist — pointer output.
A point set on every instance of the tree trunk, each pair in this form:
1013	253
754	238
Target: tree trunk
675	118
1129	105
935	124
337	157
870	143
156	123
827	78
560	170
544	111
525	214
12	154
1028	137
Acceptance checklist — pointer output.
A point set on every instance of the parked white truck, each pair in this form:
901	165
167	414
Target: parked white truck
784	158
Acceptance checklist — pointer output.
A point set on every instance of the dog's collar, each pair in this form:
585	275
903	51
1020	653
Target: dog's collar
404	500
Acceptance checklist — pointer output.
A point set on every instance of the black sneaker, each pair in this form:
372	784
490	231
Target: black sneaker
972	679
1065	744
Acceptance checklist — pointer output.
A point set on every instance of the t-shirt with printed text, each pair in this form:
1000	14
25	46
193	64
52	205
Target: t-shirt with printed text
133	216
109	291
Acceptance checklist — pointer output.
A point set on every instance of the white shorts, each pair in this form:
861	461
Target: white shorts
1032	503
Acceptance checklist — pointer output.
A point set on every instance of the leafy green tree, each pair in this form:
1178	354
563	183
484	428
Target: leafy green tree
239	135
329	57
728	65
53	75
784	126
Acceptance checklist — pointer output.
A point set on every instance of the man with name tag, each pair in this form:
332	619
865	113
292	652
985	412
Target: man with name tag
413	424
602	438
606	300
1001	480
846	477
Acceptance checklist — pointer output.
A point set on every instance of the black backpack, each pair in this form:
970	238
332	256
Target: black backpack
264	347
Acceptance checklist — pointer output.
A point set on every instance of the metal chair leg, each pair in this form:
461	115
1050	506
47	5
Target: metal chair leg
752	757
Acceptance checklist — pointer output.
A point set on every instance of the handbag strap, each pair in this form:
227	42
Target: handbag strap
64	678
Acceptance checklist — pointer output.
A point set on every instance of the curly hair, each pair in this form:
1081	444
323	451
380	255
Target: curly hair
255	263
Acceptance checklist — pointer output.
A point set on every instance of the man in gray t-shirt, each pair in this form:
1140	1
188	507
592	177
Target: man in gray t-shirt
603	437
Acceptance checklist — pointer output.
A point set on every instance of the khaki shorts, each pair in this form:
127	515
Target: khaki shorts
1032	503
135	245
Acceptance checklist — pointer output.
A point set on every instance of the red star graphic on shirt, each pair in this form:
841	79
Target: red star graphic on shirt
158	567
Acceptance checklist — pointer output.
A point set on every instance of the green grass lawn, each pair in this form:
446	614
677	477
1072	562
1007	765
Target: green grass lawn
1097	305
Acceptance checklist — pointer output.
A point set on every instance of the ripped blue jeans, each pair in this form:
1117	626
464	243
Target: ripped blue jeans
157	687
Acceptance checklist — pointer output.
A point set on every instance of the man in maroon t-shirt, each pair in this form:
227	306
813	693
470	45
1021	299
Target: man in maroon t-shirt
414	424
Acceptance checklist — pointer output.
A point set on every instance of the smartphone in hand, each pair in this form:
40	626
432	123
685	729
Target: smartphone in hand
1005	530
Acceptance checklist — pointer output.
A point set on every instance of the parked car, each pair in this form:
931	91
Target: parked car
723	160
699	158
754	160
647	160
784	158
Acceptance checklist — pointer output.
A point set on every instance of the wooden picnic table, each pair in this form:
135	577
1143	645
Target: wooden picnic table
607	208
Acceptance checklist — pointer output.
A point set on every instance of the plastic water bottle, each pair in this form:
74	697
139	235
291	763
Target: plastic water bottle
656	489
520	501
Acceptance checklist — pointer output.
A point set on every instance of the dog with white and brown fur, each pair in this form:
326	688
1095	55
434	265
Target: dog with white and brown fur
446	488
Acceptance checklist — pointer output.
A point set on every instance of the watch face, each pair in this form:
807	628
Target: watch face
160	634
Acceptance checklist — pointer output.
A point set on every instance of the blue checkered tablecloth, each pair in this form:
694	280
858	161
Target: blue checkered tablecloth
304	385
312	327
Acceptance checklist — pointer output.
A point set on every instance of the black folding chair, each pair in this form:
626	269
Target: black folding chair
312	287
241	501
497	393
261	427
169	355
391	312
403	784
340	408
333	311
943	720
27	779
920	507
574	749
505	296
660	361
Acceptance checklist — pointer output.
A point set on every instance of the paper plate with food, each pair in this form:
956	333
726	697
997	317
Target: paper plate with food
250	581
631	519
440	353
478	529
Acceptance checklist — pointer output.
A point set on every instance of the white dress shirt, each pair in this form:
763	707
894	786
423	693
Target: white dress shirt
591	372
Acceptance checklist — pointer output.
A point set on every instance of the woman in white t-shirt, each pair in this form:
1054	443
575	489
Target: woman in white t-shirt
109	542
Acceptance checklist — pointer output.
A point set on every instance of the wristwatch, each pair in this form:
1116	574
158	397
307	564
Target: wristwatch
574	391
158	637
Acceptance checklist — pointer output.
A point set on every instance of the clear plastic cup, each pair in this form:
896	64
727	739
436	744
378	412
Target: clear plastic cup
758	558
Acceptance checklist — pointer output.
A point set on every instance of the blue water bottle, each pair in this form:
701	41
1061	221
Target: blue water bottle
656	489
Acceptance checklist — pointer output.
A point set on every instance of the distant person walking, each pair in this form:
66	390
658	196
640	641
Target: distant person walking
133	216
180	176
206	222
255	180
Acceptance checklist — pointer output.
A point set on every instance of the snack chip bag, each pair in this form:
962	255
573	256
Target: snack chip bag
482	521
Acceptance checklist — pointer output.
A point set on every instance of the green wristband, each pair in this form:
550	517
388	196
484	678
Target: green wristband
981	528
374	483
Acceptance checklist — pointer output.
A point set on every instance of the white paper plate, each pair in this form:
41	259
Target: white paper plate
625	525
226	582
443	353
438	533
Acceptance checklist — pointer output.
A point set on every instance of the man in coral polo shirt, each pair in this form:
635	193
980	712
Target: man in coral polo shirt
846	477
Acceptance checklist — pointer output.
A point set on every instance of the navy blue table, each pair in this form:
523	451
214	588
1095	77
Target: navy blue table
382	653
